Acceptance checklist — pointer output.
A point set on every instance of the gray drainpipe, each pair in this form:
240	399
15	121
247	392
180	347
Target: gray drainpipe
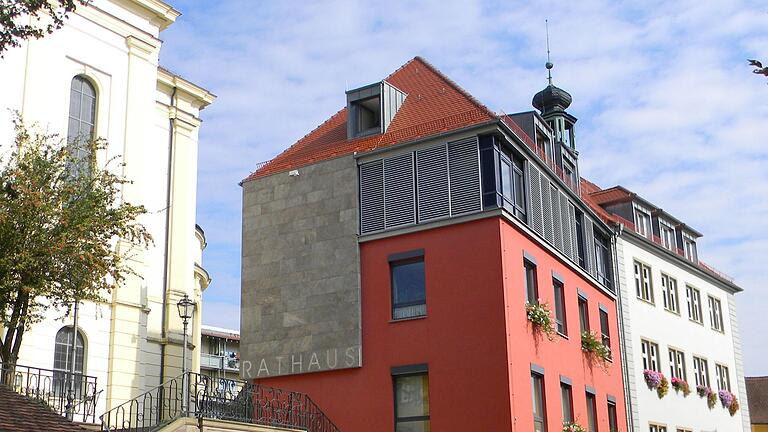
164	333
622	335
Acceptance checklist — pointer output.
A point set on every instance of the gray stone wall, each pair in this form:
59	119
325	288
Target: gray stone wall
300	303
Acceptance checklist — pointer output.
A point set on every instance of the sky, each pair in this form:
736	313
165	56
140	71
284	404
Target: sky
666	102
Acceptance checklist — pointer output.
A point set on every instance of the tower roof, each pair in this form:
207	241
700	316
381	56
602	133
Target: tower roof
551	99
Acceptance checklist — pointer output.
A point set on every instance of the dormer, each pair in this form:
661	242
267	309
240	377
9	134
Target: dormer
370	109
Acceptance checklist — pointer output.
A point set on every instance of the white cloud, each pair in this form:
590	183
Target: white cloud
667	104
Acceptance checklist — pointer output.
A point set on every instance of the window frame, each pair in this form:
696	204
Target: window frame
701	371
530	279
400	259
407	372
723	379
566	389
649	351
592	419
644	282
561	322
538	384
81	151
613	417
60	373
715	314
667	235
670	294
605	329
583	305
643	221
677	365
693	299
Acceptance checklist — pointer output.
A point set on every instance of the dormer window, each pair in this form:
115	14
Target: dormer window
689	247
367	116
667	234
370	109
642	222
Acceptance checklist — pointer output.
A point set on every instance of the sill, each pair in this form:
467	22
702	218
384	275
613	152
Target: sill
420	317
721	331
563	335
648	302
672	312
701	323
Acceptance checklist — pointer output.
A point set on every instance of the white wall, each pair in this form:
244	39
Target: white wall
653	322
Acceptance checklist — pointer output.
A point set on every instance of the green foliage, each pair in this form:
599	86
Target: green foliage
60	222
711	400
44	17
663	388
573	427
594	348
541	318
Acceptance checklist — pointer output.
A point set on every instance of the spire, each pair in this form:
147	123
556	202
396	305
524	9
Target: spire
551	98
549	64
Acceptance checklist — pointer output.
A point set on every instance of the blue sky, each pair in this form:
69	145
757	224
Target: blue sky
666	103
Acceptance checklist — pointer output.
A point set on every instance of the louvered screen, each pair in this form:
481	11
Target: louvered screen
546	206
556	218
371	197
464	173
432	182
566	221
399	205
590	240
535	213
574	238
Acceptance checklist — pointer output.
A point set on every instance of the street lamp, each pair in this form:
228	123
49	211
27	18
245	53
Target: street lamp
186	309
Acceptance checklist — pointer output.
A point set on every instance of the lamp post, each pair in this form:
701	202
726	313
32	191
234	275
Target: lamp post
186	309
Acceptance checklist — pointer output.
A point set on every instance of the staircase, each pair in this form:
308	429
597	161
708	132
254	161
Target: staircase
199	396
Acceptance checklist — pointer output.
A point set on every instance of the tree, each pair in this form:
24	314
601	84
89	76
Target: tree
65	234
758	67
13	12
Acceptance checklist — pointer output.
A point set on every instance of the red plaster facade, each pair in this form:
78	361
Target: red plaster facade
475	338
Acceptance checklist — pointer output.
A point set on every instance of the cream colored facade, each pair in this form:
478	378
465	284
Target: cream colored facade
133	339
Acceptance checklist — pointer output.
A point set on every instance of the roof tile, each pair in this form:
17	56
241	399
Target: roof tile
19	413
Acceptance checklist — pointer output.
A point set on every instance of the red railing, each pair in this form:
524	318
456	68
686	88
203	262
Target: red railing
655	239
570	182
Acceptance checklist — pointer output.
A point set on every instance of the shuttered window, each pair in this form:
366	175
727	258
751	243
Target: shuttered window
372	197
399	193
464	175
432	183
555	216
535	217
546	205
567	226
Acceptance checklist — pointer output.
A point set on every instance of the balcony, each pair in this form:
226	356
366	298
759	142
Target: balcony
71	395
219	362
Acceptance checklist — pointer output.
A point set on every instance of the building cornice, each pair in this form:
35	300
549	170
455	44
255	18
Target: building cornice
160	12
185	89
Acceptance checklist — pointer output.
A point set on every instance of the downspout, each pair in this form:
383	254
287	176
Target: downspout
166	266
622	334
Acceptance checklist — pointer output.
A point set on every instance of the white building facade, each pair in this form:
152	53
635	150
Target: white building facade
100	75
678	319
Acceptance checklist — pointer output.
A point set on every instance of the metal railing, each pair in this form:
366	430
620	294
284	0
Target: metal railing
52	387
217	398
674	249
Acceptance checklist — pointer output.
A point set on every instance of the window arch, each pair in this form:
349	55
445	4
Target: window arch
62	359
82	117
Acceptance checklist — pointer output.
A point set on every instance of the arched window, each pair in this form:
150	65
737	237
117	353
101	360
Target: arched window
82	118
62	359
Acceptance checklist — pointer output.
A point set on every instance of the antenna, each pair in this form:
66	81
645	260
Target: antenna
549	64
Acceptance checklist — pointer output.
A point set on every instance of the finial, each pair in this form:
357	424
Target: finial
549	64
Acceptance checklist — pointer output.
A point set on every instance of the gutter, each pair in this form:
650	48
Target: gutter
166	264
622	334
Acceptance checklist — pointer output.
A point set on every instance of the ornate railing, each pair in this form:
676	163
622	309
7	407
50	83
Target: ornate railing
52	387
196	395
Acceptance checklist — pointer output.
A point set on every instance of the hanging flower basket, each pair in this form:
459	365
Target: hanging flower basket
652	378
681	386
573	427
541	317
703	391
594	348
729	401
711	399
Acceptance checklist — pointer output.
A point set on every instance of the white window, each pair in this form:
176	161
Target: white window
694	303
677	364
643	282
715	314
667	233
643	222
723	377
701	369
656	428
689	247
669	293
62	359
650	355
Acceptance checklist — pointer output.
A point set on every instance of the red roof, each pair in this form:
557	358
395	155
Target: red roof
612	195
434	104
19	413
589	192
757	399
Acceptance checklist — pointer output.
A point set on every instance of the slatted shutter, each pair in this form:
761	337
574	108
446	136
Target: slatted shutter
574	238
590	241
399	194
371	197
432	182
556	219
535	213
464	174
566	221
546	205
